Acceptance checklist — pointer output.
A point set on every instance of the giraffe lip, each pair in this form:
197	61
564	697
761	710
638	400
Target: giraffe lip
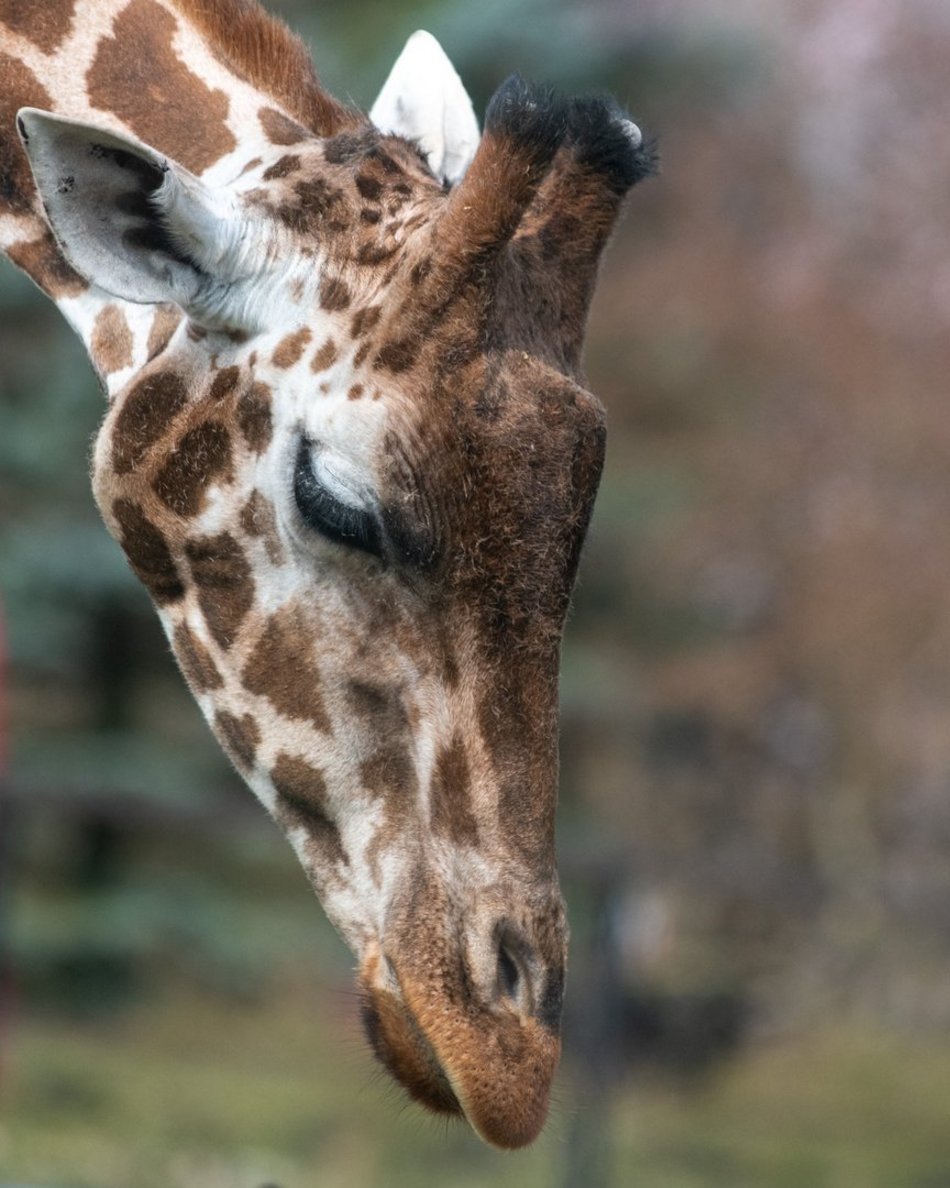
400	1044
439	1093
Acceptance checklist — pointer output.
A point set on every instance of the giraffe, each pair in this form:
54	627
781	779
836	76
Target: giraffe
349	453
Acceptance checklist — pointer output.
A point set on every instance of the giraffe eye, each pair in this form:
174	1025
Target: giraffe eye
327	512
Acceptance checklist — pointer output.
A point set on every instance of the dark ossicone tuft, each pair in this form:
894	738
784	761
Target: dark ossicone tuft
601	142
529	113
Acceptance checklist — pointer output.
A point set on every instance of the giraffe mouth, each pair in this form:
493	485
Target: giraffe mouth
401	1046
493	1068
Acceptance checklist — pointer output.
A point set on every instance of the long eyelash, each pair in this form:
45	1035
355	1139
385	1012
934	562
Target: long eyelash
328	515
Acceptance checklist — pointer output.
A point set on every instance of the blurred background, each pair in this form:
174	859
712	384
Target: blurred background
755	820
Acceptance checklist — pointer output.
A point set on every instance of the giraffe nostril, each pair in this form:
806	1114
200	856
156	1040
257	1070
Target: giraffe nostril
509	976
515	971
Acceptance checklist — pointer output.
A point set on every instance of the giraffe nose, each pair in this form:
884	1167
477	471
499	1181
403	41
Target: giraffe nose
456	1055
524	980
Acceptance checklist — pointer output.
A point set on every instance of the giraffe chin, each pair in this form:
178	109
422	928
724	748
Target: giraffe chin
491	1066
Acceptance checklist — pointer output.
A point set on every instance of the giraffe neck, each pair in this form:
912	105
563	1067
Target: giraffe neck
151	69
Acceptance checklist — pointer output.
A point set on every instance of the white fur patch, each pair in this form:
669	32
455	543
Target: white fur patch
631	129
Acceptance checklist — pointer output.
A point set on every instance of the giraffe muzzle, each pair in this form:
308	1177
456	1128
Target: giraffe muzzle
457	1056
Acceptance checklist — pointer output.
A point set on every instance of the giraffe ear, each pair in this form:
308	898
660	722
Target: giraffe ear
128	219
424	100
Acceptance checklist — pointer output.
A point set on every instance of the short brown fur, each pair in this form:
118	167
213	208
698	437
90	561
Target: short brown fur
260	48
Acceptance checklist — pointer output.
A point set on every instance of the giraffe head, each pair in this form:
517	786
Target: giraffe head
354	474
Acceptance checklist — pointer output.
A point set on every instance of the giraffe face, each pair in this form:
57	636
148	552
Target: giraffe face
364	573
355	475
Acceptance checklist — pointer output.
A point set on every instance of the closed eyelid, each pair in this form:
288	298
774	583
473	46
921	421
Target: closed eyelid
392	529
329	515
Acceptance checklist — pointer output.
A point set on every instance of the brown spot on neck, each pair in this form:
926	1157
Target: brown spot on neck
371	254
364	320
280	129
311	207
369	187
20	88
46	24
421	270
260	48
239	737
302	803
398	355
195	661
349	147
325	357
289	163
334	294
137	75
111	344
42	260
224	383
289	349
164	324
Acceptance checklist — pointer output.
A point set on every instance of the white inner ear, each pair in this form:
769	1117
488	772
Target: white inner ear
424	100
104	193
